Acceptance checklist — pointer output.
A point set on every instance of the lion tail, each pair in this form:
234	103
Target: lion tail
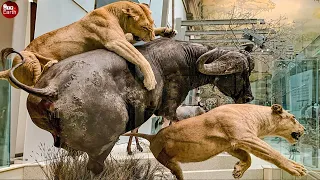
4	54
4	74
148	137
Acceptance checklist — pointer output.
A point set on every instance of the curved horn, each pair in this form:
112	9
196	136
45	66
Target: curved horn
223	62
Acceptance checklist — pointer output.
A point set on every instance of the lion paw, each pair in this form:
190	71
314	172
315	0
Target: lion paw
130	38
238	170
48	65
295	169
169	33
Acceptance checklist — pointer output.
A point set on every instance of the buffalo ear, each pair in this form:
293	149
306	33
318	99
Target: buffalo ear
277	108
130	12
223	62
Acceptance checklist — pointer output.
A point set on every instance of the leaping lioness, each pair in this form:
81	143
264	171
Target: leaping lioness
104	27
233	128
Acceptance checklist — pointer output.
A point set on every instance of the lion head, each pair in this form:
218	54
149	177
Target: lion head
286	124
139	22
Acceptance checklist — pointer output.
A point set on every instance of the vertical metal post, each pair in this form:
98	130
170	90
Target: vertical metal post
33	16
165	11
172	9
178	29
317	110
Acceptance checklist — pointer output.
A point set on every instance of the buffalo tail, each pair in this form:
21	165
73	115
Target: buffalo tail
47	92
145	136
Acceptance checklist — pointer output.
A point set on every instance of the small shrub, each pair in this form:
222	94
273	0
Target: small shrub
71	165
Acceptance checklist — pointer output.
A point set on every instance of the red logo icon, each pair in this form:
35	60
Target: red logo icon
9	9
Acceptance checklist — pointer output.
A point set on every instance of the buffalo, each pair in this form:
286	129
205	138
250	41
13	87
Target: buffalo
185	112
88	100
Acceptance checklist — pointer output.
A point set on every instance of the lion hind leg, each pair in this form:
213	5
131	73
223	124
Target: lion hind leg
29	72
130	53
241	166
264	151
4	75
168	162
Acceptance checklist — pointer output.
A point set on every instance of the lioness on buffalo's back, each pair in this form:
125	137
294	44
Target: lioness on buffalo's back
104	27
232	128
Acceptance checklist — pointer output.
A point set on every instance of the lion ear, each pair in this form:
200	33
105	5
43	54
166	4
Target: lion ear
277	108
146	4
131	13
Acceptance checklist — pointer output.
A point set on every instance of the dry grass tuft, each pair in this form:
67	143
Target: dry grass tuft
71	165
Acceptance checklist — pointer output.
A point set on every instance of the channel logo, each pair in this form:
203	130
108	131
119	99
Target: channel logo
9	9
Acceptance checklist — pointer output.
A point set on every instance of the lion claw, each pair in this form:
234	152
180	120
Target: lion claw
169	33
296	169
237	172
48	65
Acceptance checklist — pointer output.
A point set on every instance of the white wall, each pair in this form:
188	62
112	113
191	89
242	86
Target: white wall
50	15
156	8
17	105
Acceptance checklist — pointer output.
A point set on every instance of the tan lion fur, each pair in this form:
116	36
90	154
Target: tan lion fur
104	27
232	128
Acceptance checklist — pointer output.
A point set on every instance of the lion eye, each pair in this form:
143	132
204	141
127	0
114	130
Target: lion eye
145	28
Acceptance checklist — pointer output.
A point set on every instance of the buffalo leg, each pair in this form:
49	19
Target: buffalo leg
129	145
130	142
96	163
137	140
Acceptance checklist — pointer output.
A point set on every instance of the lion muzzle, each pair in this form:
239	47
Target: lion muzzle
296	135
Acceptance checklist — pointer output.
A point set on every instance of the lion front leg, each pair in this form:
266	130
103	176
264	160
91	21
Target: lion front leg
241	166
126	50
264	151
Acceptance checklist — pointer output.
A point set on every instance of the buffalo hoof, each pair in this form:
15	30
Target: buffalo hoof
95	167
139	148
